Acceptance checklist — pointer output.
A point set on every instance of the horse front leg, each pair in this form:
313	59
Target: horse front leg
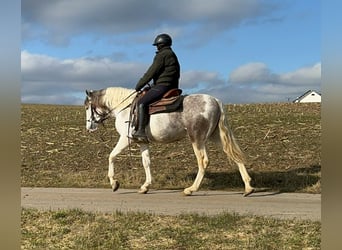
119	147
146	161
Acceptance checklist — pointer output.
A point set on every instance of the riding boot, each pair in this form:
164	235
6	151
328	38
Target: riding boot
140	134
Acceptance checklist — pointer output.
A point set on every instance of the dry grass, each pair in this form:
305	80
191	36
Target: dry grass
282	143
76	229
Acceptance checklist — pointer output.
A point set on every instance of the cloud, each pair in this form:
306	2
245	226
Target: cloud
195	80
251	73
259	73
258	82
303	76
46	79
56	22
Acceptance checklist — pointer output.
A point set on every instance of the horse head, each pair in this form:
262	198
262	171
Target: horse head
95	113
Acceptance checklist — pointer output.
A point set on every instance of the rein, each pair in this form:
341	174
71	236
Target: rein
103	116
124	100
106	115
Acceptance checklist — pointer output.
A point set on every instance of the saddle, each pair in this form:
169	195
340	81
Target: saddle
170	102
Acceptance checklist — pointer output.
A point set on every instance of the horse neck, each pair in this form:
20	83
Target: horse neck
114	98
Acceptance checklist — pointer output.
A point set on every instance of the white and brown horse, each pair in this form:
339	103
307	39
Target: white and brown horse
201	118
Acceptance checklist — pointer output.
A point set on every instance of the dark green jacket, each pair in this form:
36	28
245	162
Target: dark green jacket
164	70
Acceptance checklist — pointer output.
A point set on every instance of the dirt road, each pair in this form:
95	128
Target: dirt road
172	202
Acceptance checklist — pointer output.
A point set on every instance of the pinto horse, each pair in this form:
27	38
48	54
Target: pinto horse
201	118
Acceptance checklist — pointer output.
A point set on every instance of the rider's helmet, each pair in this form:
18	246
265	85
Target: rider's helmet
163	39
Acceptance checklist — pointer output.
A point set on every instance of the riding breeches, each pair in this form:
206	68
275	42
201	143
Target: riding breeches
154	94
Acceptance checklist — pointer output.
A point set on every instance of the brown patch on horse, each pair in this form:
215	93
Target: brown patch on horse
195	130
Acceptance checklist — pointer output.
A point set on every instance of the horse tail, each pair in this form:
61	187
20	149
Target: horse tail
229	144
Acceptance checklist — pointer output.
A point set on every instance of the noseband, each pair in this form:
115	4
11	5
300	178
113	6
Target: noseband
103	116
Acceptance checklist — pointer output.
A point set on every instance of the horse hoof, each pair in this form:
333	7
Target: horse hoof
143	191
249	192
187	192
115	185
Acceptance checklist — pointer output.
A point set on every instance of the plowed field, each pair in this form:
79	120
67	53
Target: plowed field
282	143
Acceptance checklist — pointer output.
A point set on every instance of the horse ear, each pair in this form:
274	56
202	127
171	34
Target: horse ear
89	92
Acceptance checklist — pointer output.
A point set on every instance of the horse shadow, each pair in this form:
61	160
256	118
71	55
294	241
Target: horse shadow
293	180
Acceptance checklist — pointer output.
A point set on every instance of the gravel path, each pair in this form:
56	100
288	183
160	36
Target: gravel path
172	202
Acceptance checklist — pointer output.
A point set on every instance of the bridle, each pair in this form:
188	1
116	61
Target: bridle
104	115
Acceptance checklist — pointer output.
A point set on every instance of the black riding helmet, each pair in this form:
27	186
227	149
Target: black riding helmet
164	39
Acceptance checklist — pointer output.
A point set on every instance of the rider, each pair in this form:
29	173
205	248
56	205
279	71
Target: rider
165	72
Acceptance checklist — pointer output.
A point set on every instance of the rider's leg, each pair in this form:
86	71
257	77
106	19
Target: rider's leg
142	122
154	94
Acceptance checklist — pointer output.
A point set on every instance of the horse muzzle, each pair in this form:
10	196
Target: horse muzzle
90	130
91	126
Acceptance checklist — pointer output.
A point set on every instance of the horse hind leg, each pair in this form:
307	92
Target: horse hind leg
246	179
233	151
203	162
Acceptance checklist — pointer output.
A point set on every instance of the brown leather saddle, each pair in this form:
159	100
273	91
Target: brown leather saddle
170	102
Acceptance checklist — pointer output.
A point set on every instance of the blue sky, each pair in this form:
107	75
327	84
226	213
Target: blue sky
241	51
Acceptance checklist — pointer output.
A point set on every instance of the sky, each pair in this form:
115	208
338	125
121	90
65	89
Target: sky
240	51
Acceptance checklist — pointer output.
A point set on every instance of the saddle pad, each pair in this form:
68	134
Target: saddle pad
166	105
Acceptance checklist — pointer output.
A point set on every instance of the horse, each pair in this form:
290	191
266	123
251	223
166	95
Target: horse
201	118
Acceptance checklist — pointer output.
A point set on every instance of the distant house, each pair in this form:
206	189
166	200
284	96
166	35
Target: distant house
309	96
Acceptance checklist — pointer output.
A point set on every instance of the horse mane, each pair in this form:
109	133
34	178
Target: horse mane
114	97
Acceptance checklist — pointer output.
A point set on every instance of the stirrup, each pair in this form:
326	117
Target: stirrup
139	138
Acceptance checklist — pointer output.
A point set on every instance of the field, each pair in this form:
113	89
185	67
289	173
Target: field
282	143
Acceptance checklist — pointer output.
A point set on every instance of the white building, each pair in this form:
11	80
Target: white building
309	96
